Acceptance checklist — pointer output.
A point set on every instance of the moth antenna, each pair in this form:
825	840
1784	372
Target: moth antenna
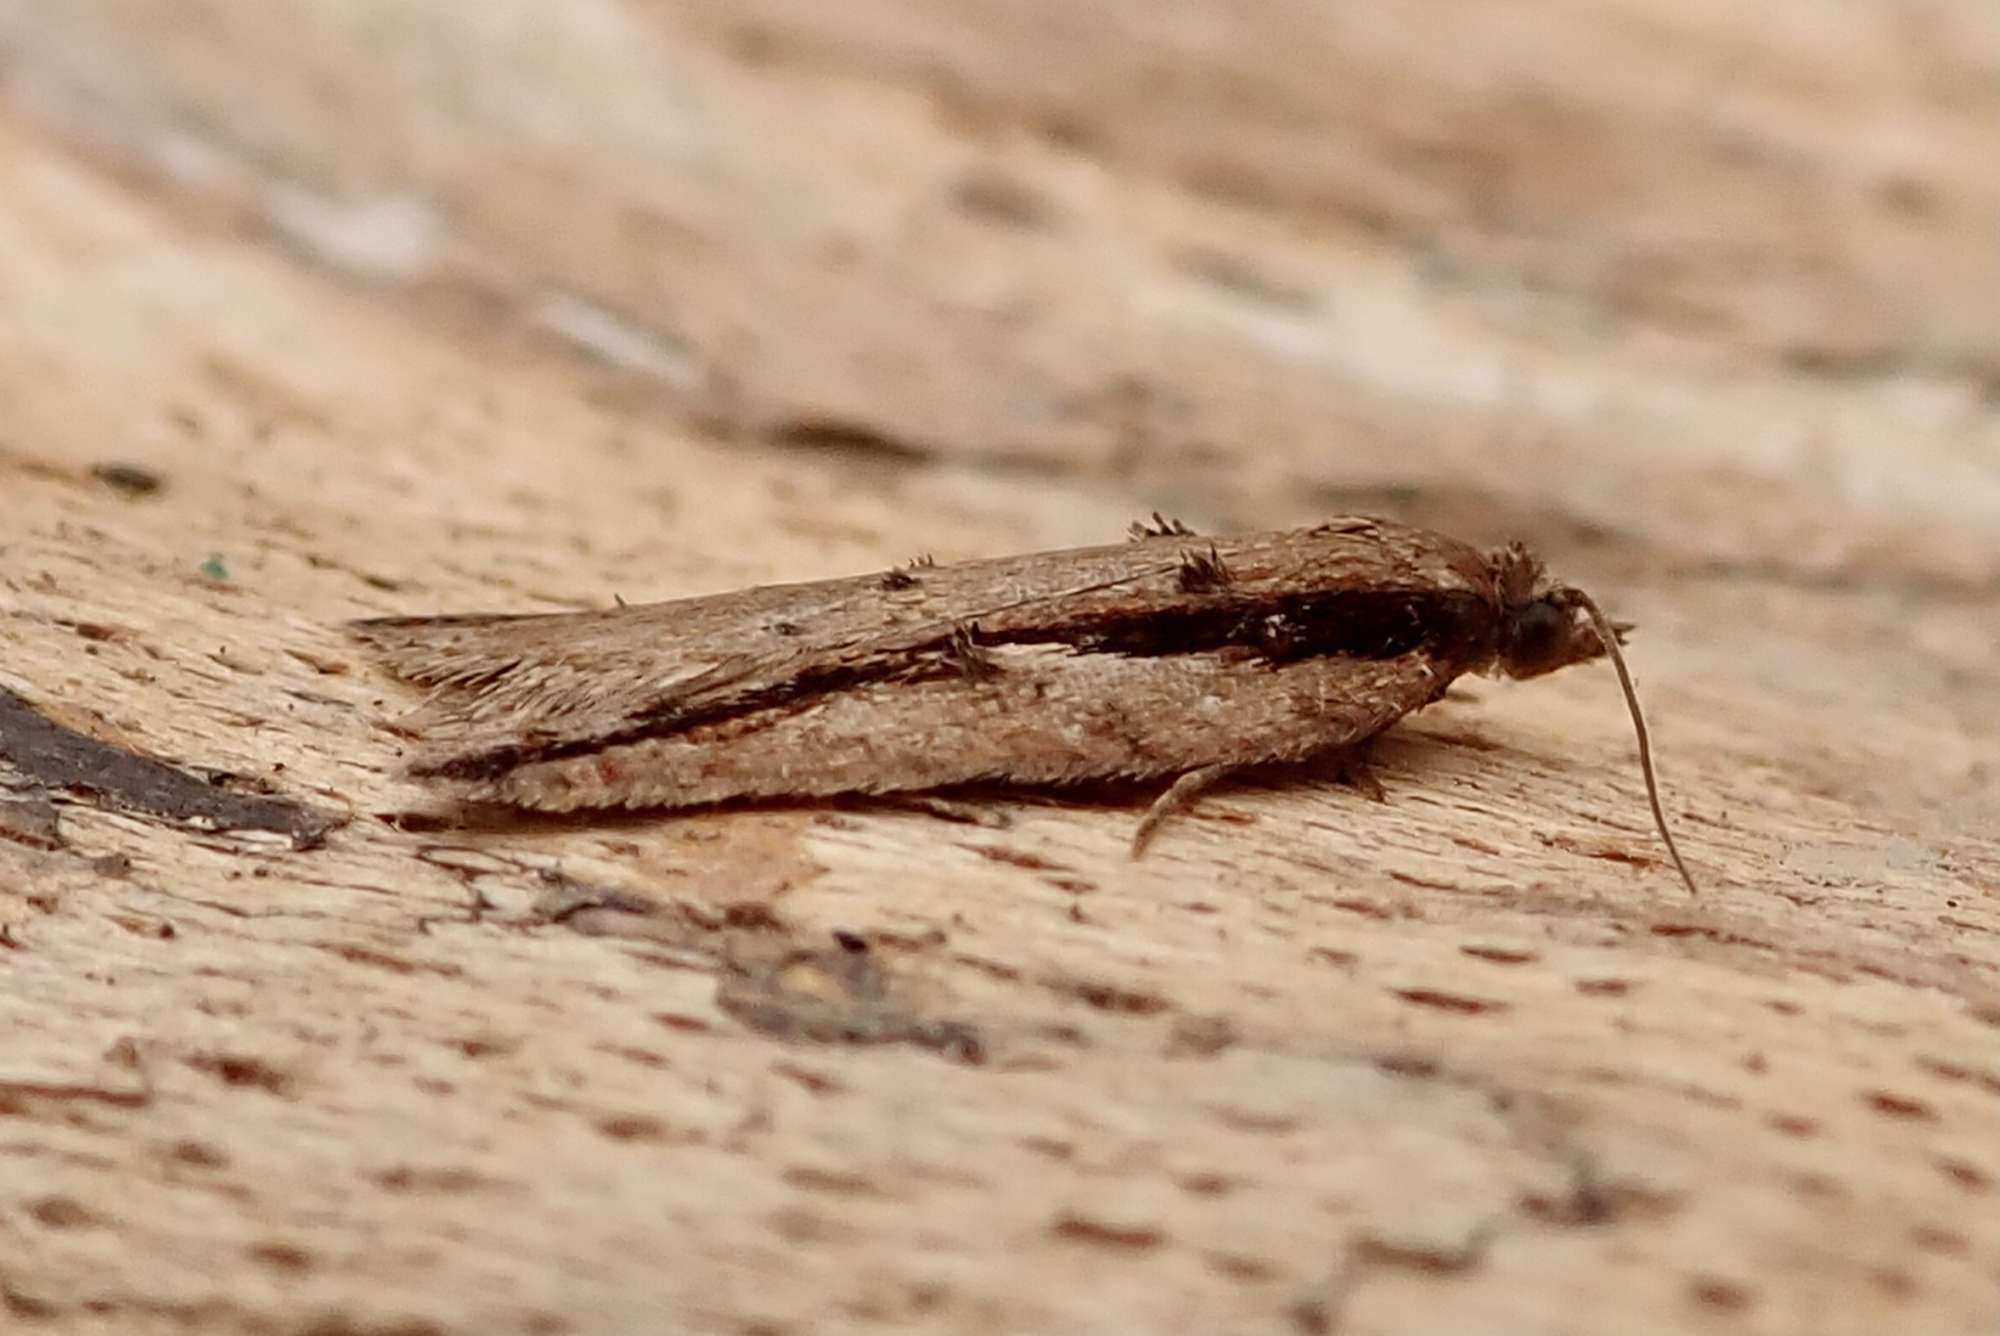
1607	632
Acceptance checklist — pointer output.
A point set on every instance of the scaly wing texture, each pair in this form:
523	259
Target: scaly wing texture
511	689
1042	718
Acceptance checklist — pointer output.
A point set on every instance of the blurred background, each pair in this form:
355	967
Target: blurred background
1710	282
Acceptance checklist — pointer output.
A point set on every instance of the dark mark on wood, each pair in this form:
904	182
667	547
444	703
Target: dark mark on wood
1111	997
132	479
1082	1229
839	995
1465	1006
14	1093
1201	1036
988	192
57	757
1438	1259
857	440
31	821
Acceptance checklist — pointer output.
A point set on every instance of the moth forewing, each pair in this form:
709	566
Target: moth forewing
1037	718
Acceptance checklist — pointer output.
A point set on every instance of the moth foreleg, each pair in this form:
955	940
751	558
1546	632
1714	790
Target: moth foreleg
1179	795
1346	765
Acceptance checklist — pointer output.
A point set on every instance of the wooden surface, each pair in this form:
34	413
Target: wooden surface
416	306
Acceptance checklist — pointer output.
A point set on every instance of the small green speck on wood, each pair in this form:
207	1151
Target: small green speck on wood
213	569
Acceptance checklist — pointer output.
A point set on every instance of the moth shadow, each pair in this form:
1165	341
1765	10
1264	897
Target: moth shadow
1405	755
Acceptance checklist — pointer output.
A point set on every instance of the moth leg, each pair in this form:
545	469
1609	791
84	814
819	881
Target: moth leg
1177	798
949	809
1351	766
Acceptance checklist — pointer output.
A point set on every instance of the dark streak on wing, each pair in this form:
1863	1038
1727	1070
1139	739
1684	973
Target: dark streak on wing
508	690
1354	624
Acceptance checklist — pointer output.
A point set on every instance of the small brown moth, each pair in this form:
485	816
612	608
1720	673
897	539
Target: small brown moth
1168	657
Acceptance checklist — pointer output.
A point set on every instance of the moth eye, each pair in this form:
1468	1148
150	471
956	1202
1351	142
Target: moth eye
1538	640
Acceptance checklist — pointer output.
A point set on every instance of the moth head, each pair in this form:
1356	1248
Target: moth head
1551	629
1545	626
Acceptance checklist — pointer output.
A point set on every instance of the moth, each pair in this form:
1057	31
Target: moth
1170	657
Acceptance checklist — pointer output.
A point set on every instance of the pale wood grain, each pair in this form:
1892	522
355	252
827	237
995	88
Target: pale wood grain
421	307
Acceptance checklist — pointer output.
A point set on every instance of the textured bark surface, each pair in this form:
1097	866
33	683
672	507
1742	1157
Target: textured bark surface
314	311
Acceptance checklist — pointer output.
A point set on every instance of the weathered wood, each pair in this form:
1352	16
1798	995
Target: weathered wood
414	307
